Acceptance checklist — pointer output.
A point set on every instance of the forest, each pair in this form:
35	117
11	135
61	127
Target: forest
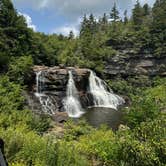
28	137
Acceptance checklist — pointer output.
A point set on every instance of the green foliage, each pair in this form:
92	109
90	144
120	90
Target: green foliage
34	122
131	86
74	130
135	152
20	69
69	155
141	146
26	143
114	15
137	15
97	43
159	21
39	123
8	14
146	106
121	86
10	95
101	144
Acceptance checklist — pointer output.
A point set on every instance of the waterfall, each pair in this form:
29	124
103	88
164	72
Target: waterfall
38	82
46	101
100	94
71	103
102	97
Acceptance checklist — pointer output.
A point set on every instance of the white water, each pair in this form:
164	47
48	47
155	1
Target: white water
71	103
45	101
103	97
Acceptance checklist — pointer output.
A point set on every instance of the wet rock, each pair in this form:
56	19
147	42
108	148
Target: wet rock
53	83
163	74
60	117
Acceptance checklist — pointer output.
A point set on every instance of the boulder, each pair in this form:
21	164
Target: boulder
60	117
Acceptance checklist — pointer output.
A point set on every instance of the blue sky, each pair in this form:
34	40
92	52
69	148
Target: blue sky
61	16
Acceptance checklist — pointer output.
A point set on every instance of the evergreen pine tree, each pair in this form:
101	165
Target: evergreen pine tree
114	15
83	25
8	15
158	27
71	35
159	15
104	19
125	17
137	15
146	10
92	24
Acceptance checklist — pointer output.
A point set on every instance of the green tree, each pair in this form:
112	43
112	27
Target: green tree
125	17
8	15
159	19
137	15
158	27
83	25
103	24
88	26
92	24
71	35
104	19
114	15
146	10
10	95
20	69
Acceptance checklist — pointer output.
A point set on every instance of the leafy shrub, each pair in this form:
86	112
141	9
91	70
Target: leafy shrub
10	95
147	106
100	144
120	86
70	156
20	69
73	130
145	145
25	145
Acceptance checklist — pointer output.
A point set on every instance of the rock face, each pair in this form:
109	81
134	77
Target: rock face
54	79
128	63
53	82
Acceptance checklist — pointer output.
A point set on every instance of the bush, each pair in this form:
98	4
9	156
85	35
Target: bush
134	152
145	145
73	130
10	95
147	106
69	155
101	145
25	145
20	69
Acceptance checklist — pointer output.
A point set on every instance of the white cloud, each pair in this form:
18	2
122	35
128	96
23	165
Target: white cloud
65	30
43	4
73	9
150	2
28	20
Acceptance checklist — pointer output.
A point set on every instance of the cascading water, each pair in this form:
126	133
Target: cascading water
103	97
100	94
45	101
71	103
